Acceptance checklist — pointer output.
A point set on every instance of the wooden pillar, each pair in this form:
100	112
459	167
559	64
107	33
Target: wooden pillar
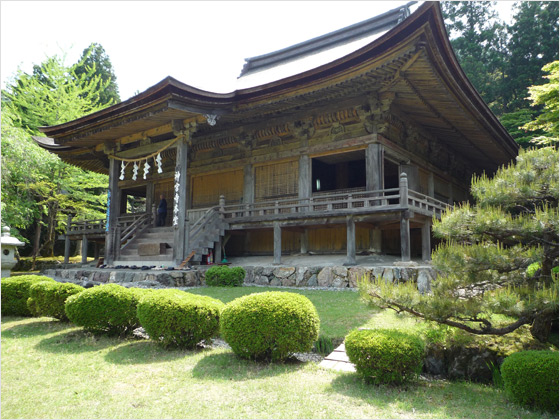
248	184
277	244
84	249
218	251
96	251
431	189
412	175
180	202
376	240
374	167
150	198
113	210
405	223
67	240
426	243
304	242
350	241
305	189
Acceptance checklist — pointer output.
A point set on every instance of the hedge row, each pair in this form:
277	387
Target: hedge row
267	326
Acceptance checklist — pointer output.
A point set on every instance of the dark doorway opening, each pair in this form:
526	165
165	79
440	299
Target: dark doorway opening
391	177
338	172
133	200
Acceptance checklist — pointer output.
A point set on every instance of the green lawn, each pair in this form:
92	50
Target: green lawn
56	370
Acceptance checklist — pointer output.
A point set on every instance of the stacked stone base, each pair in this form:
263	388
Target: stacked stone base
320	277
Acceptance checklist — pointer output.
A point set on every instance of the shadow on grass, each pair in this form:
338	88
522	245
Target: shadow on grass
432	398
142	352
227	366
42	326
76	341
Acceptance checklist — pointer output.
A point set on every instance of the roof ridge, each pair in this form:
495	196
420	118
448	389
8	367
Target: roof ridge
329	40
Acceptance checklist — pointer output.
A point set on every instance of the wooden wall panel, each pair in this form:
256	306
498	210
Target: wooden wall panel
261	242
207	188
277	180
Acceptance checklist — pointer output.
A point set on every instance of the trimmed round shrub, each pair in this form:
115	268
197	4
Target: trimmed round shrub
179	319
222	275
15	292
385	356
531	378
109	309
47	298
269	326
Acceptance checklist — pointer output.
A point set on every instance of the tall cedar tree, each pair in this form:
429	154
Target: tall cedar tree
533	42
94	59
486	250
52	95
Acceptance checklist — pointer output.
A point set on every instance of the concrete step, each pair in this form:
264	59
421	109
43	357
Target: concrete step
164	236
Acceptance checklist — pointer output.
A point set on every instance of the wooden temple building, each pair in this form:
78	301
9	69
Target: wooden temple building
357	154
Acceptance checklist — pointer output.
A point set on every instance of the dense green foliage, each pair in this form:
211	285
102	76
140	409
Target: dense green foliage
503	60
546	95
531	379
95	58
385	356
47	298
179	319
15	292
486	250
222	275
34	195
110	309
270	325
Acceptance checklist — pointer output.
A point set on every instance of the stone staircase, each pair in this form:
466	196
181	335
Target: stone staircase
154	246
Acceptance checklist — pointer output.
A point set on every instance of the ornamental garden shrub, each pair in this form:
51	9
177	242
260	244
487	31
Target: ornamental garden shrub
385	356
47	298
15	292
222	275
109	309
179	319
269	326
531	378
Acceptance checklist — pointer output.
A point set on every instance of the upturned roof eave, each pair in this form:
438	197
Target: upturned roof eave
428	13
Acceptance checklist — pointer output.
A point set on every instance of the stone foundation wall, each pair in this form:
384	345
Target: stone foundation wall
323	277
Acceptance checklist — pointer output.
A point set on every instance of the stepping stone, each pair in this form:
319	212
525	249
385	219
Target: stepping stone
338	360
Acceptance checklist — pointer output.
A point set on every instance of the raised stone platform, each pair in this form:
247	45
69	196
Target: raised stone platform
287	276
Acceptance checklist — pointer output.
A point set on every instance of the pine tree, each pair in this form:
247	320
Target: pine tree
486	253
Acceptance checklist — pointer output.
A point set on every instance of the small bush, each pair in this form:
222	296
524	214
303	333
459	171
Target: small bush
323	345
109	308
47	298
222	275
385	356
179	319
531	378
270	325
15	292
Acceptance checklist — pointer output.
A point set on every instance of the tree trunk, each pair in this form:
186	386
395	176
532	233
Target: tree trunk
542	325
36	242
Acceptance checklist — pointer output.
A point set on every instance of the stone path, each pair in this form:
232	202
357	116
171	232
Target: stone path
338	360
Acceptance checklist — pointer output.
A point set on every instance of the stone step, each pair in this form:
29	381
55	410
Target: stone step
143	260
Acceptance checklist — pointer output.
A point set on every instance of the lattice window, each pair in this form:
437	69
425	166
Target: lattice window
278	180
207	188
